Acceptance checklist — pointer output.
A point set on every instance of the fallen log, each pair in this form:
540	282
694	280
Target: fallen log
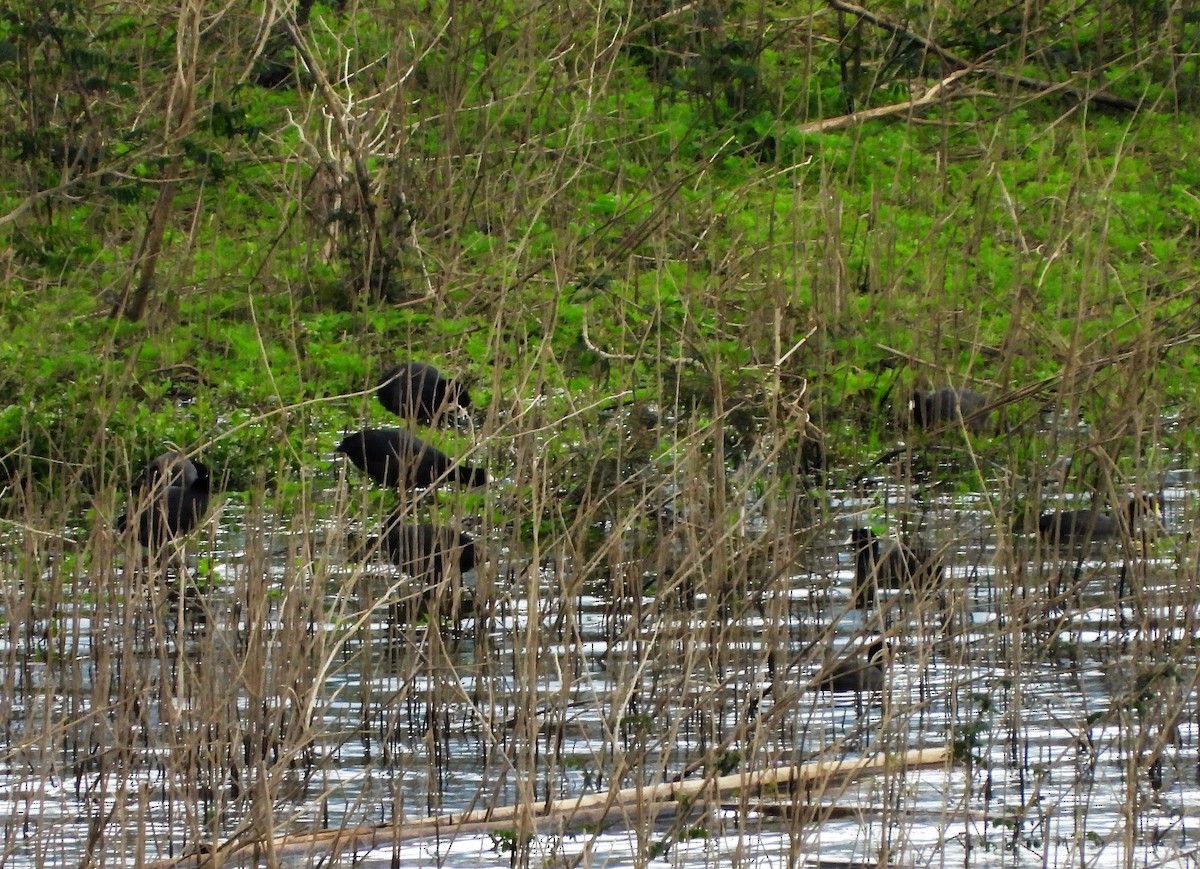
816	776
939	93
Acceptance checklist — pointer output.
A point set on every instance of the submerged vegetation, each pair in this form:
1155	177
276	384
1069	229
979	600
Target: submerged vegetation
693	261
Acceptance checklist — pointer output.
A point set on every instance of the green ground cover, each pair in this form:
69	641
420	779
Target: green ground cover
574	202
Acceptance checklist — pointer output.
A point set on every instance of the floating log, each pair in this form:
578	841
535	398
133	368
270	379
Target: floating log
589	808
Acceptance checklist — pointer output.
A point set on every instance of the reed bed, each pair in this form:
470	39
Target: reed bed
695	284
648	613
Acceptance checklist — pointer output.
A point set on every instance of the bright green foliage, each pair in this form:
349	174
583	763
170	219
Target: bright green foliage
535	174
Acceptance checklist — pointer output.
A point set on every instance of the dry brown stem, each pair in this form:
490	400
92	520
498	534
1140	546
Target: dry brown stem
587	808
936	94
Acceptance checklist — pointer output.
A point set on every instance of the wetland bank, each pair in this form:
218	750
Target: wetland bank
694	262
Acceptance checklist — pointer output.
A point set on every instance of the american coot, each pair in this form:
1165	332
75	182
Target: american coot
392	457
856	673
169	499
950	406
896	565
1077	527
418	391
424	551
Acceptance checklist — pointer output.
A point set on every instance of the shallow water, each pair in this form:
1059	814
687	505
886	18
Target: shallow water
1078	715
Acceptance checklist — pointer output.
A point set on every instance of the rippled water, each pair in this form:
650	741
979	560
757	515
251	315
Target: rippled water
1078	716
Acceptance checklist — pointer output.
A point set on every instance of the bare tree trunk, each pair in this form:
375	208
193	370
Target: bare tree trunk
134	309
180	116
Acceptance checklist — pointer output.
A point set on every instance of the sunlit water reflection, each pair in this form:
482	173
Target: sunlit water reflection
1078	716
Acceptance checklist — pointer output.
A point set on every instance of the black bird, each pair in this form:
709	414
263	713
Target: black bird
949	406
169	499
425	551
418	391
1078	527
394	458
175	468
855	673
896	565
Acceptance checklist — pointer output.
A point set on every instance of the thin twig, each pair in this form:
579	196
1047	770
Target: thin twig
629	357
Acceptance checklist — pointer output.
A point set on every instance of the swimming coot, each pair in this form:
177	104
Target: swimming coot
425	551
895	565
1078	527
950	406
168	499
394	458
856	673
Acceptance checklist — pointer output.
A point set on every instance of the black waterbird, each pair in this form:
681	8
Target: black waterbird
418	391
397	459
949	406
169	498
856	673
894	565
1079	527
425	551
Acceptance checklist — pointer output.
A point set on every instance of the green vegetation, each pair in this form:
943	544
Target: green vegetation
218	231
693	258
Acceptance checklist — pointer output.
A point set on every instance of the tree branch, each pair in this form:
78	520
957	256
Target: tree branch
961	63
935	94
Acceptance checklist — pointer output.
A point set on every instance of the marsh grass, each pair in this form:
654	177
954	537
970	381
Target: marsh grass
649	608
692	332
